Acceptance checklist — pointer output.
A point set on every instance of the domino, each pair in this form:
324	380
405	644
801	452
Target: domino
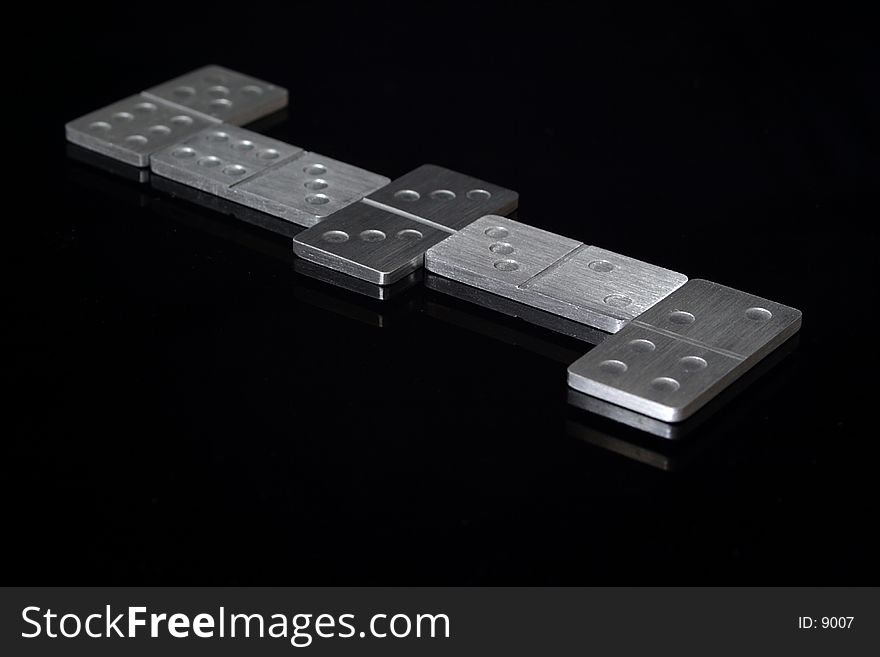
368	243
219	94
684	351
264	174
220	157
724	319
430	217
676	345
555	274
134	128
445	197
711	411
307	189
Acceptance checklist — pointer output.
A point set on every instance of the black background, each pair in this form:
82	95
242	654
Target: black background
184	407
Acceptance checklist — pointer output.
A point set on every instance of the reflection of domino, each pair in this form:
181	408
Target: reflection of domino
132	129
685	350
552	273
677	344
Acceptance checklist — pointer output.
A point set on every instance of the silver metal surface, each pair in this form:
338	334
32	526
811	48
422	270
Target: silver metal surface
368	243
600	284
627	417
556	274
723	319
307	189
219	93
684	351
134	128
220	157
711	411
445	197
649	372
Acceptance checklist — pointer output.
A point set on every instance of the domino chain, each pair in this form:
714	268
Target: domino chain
675	344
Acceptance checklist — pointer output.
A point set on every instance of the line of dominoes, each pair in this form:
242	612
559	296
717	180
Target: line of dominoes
676	343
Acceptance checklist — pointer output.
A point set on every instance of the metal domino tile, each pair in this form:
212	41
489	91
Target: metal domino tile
598	283
445	197
222	94
219	157
651	373
668	375
368	242
496	254
556	274
680	345
622	415
723	318
132	129
308	189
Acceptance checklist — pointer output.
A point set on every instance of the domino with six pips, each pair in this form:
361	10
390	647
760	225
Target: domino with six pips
675	344
132	129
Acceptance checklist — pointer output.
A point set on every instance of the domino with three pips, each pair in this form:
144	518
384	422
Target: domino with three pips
675	344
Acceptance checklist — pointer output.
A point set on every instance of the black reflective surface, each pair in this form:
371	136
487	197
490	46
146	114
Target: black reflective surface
186	404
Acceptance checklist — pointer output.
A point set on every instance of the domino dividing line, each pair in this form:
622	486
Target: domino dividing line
676	344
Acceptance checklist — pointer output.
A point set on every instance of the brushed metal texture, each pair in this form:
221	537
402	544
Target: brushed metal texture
216	159
497	254
684	351
723	318
445	197
600	282
307	189
134	128
652	373
555	274
368	243
222	94
709	411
